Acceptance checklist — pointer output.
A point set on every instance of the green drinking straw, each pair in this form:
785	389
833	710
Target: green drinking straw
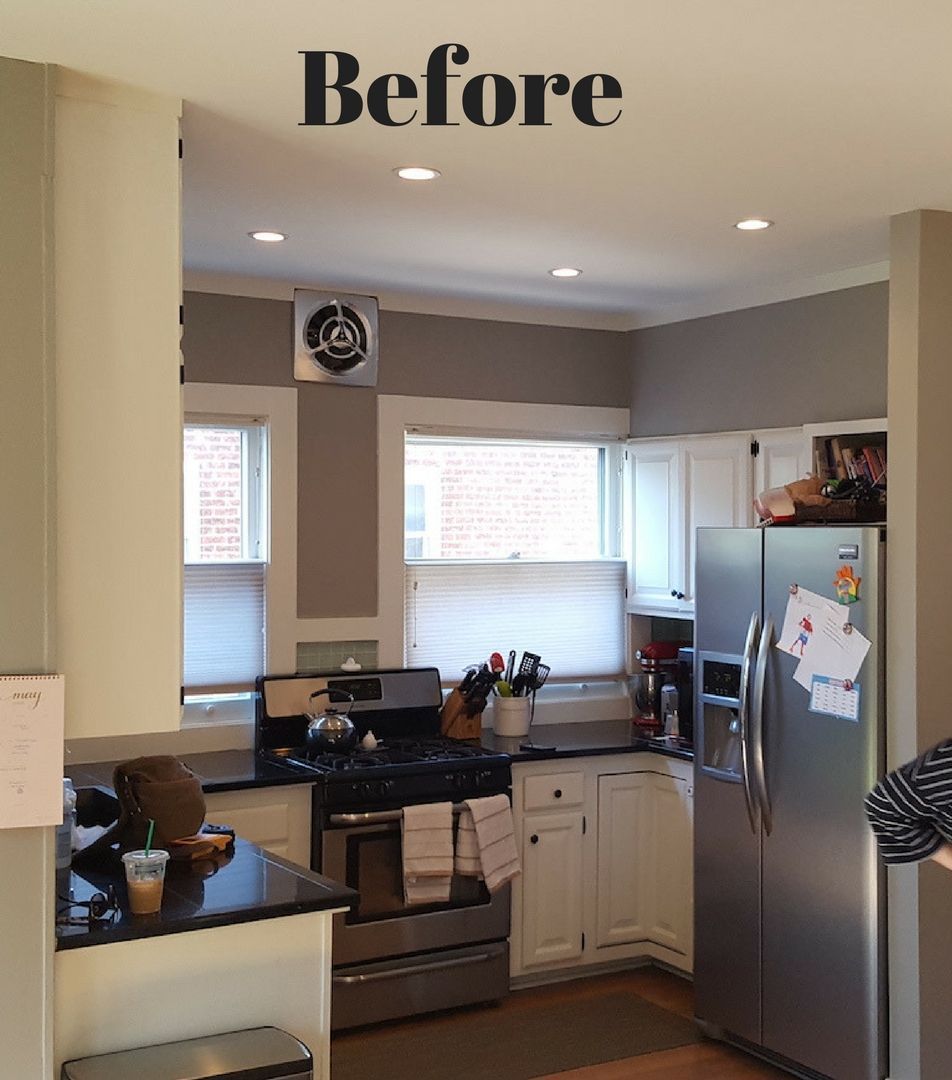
148	839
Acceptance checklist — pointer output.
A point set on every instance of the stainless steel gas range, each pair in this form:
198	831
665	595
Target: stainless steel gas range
391	959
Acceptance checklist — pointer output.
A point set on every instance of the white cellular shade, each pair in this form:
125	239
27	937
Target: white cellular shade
224	626
570	613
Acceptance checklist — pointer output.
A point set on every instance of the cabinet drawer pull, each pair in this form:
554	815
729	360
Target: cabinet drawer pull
534	838
557	793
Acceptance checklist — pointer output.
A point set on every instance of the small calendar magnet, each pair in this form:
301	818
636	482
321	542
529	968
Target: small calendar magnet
835	697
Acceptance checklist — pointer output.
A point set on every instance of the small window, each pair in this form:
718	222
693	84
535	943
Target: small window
226	550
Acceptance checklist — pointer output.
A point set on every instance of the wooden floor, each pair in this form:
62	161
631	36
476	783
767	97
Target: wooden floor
702	1061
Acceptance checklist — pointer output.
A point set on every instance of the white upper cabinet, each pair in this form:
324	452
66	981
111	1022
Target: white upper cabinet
717	493
656	518
117	255
783	456
674	486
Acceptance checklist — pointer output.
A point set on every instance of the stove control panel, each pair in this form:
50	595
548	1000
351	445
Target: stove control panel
371	789
476	780
338	792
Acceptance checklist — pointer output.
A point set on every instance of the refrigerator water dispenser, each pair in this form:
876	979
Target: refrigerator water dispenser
720	727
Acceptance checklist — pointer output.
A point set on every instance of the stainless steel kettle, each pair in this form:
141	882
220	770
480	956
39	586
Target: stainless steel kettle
330	731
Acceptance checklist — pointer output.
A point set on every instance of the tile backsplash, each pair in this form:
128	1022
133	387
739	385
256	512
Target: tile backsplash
329	655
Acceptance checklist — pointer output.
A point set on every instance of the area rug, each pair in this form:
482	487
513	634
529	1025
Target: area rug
511	1044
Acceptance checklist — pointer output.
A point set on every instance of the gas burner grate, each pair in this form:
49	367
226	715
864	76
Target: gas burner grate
398	752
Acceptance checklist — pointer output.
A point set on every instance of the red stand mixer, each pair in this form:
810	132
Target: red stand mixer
659	662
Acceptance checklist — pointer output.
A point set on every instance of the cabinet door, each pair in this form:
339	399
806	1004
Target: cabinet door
671	896
717	492
624	868
551	888
656	525
784	457
277	819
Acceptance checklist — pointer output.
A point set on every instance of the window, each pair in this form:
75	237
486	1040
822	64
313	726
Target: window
513	544
225	503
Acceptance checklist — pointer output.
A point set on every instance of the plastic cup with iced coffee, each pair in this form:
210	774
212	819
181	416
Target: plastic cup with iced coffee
145	880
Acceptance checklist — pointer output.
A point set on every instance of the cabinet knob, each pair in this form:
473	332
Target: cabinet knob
534	838
557	793
677	595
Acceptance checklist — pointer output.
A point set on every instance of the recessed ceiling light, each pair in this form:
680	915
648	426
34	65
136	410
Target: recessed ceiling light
753	224
565	271
417	172
268	237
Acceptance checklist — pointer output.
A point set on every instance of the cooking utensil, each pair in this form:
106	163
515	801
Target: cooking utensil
520	685
496	663
537	682
529	663
510	665
330	731
542	673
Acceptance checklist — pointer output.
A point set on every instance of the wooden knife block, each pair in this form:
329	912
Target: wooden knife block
456	722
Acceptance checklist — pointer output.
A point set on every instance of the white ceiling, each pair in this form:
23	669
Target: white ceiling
827	118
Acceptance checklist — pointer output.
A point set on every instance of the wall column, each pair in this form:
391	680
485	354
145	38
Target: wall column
26	549
919	605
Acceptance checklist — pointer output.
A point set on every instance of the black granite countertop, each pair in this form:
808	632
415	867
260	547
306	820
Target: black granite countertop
219	770
245	886
234	770
584	740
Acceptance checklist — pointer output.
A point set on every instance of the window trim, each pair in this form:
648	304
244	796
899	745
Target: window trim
398	415
275	406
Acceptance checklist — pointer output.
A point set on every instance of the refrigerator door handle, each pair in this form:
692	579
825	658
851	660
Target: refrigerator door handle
757	724
744	717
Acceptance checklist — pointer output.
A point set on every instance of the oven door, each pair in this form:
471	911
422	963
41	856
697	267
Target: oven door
364	851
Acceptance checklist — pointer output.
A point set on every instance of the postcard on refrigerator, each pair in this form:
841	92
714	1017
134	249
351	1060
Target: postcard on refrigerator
31	750
837	650
806	613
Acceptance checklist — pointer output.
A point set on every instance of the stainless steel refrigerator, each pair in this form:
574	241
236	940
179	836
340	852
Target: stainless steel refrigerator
790	957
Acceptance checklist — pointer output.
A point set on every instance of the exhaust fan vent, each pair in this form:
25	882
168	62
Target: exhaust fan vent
335	338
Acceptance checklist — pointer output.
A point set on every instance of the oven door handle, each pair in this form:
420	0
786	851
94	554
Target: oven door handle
378	817
418	969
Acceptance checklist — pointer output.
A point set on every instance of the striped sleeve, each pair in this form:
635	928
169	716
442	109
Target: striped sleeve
910	809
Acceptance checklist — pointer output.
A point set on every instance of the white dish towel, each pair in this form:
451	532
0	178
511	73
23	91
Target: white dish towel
485	843
427	853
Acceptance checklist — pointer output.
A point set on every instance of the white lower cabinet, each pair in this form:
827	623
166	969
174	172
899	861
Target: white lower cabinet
552	897
277	819
624	883
670	915
609	878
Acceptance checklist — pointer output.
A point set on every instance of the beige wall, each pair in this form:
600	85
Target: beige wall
802	361
26	585
241	340
920	634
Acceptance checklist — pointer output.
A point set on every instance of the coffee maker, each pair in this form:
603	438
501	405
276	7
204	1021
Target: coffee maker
658	660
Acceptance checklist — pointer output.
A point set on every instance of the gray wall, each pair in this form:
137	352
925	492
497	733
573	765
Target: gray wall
240	340
802	361
26	555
